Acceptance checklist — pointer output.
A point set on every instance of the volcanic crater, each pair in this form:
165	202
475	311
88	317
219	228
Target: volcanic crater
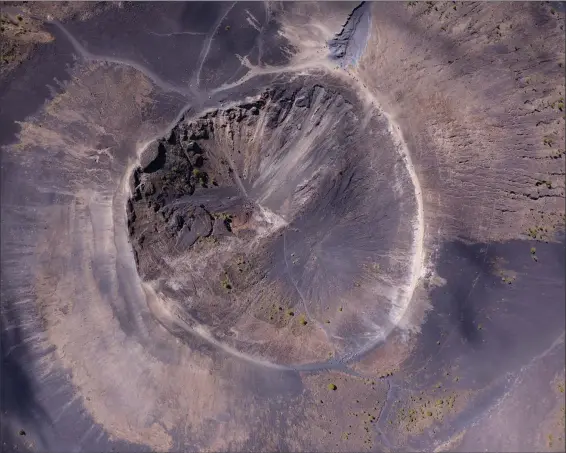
282	225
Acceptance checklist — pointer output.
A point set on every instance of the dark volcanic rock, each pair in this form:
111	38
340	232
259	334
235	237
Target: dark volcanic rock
147	189
199	225
172	138
303	99
220	228
130	212
153	157
200	134
197	161
135	179
176	222
194	147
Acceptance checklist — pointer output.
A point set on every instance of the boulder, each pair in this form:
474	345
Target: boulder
153	157
219	228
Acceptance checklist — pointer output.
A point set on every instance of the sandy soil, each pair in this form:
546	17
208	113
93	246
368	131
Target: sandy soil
291	227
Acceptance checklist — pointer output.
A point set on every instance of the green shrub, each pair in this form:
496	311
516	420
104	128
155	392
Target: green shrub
226	284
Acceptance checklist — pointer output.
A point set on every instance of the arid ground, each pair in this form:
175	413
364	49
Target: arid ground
282	226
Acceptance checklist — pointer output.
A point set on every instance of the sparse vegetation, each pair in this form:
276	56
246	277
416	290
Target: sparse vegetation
303	320
226	284
200	176
547	141
557	154
559	104
508	279
227	218
210	240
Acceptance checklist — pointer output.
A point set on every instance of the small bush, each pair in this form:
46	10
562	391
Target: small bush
226	284
227	218
331	387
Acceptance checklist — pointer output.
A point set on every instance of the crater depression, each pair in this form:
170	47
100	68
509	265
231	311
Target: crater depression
281	226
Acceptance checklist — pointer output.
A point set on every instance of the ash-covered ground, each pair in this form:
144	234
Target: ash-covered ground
283	224
282	227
